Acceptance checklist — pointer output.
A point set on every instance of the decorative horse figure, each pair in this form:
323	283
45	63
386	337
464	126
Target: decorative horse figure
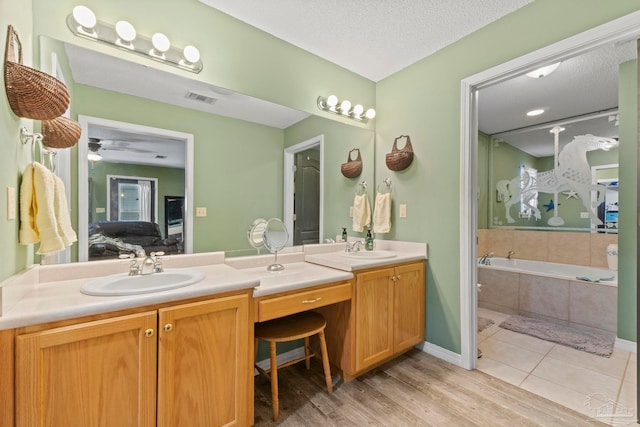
572	173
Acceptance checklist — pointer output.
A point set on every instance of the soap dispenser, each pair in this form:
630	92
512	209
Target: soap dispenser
344	234
368	241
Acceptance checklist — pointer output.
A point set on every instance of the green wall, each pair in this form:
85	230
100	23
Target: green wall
423	100
628	234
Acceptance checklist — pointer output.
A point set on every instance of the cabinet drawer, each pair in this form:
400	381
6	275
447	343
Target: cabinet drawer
273	308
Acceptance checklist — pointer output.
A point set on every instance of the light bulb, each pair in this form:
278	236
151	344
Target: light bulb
125	31
332	101
370	114
358	110
85	17
345	106
160	42
191	54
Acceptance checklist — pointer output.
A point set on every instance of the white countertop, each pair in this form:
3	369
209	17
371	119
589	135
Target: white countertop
44	294
334	256
51	301
295	275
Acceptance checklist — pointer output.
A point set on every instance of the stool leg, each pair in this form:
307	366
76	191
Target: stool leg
274	380
306	353
325	362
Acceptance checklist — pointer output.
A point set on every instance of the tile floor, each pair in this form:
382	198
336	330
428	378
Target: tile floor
599	387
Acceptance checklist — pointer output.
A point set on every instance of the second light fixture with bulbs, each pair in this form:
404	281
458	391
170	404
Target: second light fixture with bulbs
331	104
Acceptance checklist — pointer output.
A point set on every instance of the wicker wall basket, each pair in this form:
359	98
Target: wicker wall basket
353	167
398	160
31	93
61	132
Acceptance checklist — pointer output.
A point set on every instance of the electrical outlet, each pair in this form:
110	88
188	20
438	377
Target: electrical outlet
11	203
403	211
201	211
584	215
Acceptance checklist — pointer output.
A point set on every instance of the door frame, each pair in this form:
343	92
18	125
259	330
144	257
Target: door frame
289	172
619	30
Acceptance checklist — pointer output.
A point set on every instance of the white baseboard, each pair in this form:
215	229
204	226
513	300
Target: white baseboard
441	353
626	345
282	358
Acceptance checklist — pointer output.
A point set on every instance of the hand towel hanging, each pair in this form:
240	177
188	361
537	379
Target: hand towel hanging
382	213
361	212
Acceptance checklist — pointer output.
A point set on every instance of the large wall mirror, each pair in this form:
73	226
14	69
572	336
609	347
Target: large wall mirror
555	168
143	122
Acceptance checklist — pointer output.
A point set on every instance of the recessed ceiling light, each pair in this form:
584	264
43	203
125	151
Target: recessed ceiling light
535	112
543	71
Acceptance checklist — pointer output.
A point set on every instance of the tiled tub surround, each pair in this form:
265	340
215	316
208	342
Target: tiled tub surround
577	248
559	299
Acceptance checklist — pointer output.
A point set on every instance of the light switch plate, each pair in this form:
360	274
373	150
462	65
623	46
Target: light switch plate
201	211
11	203
584	215
101	210
403	211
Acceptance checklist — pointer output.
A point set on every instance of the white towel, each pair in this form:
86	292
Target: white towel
361	212
382	213
28	233
46	222
65	230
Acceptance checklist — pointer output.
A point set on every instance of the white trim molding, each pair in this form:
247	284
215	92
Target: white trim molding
619	30
626	345
440	353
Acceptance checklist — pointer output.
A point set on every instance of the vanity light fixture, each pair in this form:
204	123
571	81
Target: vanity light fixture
541	72
344	108
83	23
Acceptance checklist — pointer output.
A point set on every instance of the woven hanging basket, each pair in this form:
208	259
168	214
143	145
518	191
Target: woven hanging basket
398	160
353	167
61	132
31	93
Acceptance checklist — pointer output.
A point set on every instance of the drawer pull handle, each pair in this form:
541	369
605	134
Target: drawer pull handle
311	301
168	327
148	333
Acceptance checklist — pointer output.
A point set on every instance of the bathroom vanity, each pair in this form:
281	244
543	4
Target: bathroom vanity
185	356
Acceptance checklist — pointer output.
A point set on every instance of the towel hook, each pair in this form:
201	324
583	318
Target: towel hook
26	136
387	182
362	188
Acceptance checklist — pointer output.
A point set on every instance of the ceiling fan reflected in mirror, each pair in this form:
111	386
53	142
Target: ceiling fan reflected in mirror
98	146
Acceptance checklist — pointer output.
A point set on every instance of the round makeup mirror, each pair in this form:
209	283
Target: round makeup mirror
275	238
255	234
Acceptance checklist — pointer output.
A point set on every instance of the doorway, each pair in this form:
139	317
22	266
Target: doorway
620	30
303	191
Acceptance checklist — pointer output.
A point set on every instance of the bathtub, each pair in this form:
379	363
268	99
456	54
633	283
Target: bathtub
553	269
550	291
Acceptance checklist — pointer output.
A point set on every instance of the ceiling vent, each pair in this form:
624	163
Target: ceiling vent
200	98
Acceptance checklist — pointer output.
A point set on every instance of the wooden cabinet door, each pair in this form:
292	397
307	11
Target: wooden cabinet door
374	317
100	373
205	373
409	306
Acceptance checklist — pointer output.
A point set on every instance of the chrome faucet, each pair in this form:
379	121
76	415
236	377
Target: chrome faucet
353	247
510	254
486	259
149	265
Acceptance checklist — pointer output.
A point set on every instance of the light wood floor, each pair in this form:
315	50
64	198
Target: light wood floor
413	390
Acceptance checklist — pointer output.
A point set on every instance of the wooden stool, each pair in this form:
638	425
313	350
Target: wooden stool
289	328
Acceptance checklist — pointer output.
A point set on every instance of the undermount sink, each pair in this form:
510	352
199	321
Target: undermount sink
369	254
123	284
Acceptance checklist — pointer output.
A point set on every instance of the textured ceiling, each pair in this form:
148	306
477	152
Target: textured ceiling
373	38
